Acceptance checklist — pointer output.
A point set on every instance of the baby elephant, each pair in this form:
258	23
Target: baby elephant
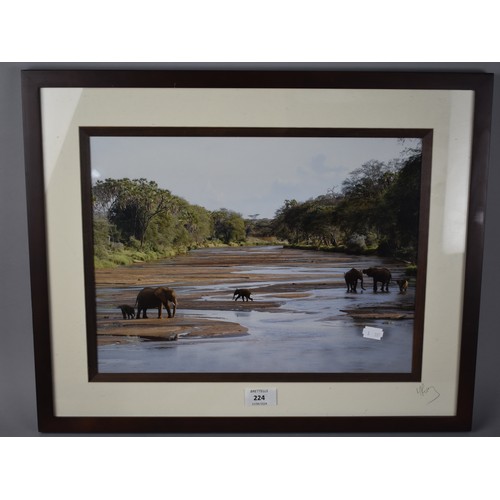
243	293
403	285
127	311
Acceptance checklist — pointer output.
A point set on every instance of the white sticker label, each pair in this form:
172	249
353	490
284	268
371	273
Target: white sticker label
261	397
369	332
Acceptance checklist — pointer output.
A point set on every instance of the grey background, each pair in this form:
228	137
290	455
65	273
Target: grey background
17	377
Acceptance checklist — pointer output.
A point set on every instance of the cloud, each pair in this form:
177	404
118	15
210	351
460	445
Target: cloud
320	168
319	165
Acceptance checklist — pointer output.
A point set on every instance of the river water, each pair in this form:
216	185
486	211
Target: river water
306	334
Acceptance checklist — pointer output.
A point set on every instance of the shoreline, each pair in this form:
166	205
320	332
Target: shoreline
120	331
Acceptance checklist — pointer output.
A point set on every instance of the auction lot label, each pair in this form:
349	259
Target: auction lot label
261	397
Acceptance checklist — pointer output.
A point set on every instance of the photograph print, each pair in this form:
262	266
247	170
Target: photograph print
285	254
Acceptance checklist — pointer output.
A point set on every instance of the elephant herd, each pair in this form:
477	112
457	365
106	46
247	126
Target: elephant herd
157	298
380	275
151	298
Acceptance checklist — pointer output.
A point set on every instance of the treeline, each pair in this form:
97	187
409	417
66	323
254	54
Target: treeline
138	220
376	210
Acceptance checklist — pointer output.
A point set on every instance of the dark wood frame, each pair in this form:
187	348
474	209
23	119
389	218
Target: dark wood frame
414	375
34	81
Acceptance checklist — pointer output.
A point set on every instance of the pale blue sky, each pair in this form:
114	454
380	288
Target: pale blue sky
246	174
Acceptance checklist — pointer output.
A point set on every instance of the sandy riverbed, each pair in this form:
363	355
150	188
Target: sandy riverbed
205	281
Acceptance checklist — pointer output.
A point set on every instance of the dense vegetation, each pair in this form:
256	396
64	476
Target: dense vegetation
376	211
137	220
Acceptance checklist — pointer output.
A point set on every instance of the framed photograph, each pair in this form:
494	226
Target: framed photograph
255	251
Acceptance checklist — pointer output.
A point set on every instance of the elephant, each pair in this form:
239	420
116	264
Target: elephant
351	280
149	298
127	311
403	285
243	293
381	274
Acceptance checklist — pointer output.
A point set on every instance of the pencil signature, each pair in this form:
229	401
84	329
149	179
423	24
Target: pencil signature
429	392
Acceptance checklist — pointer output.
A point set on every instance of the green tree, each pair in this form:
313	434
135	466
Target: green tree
131	204
362	209
102	236
381	204
402	208
378	207
313	221
198	223
287	222
260	228
228	226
